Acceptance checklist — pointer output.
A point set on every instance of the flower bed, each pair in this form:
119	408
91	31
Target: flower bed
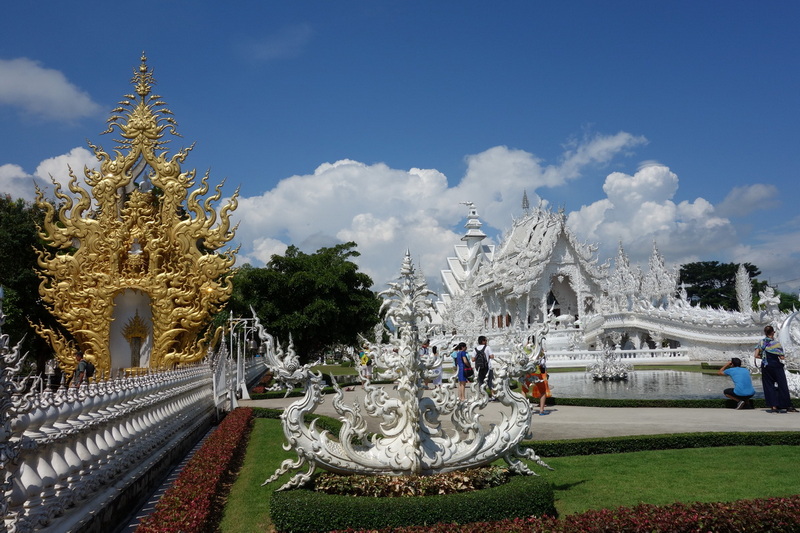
774	515
187	506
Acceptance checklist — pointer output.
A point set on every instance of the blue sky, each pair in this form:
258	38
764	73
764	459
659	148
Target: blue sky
666	121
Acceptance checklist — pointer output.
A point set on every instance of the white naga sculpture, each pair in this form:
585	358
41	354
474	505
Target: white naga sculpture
411	439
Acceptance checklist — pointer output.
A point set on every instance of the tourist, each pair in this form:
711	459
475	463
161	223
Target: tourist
464	369
742	389
536	383
454	356
366	364
482	360
773	375
424	351
80	370
437	379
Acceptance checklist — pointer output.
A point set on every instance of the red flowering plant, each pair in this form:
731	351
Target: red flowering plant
773	515
186	507
262	384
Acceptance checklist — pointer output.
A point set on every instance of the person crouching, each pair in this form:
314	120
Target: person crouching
742	389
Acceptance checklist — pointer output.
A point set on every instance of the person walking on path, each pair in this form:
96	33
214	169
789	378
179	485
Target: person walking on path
482	360
742	389
81	371
773	375
464	368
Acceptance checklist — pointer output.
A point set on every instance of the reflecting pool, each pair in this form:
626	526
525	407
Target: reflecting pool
649	384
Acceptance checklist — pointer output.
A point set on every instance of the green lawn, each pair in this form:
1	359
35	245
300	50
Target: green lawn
247	508
667	476
336	370
581	482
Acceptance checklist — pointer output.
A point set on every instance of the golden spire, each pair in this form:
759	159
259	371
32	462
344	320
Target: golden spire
137	227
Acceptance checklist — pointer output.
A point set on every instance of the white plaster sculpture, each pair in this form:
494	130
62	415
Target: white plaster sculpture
769	301
287	372
789	335
609	367
411	439
744	290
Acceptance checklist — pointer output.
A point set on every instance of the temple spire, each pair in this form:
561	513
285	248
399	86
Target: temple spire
474	234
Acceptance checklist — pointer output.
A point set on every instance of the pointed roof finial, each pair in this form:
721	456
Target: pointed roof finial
143	80
525	204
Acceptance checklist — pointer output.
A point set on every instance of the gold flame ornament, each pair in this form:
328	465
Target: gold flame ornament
138	227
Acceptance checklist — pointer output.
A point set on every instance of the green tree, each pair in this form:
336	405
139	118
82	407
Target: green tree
18	240
321	298
713	284
788	301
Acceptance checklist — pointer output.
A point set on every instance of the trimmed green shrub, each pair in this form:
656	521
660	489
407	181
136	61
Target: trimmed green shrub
565	448
766	515
715	403
305	510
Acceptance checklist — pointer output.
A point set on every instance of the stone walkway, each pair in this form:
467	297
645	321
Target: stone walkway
571	422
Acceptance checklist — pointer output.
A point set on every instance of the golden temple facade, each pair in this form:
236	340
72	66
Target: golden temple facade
136	228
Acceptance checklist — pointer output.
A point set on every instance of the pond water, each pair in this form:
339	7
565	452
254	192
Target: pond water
646	384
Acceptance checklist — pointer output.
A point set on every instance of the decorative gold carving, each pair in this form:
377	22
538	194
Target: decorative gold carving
139	228
135	332
135	328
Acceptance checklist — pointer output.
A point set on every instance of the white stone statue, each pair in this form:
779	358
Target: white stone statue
412	439
769	301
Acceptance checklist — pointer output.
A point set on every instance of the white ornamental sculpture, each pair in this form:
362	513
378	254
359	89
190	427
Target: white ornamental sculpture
789	335
609	367
411	439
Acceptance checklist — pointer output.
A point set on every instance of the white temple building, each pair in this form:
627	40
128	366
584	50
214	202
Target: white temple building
540	269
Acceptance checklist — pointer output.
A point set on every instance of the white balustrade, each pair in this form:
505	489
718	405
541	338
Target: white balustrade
75	448
557	359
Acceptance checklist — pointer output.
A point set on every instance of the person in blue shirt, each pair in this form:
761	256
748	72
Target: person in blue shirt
742	389
464	369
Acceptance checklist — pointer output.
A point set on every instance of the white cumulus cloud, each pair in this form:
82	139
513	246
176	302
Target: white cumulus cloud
386	211
15	182
43	92
744	200
19	184
640	209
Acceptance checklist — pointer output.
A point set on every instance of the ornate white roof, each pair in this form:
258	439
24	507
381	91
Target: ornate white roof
537	240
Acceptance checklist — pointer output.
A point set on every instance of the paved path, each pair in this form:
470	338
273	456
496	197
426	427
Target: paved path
571	422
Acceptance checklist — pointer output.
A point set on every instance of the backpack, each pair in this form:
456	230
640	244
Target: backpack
480	359
89	369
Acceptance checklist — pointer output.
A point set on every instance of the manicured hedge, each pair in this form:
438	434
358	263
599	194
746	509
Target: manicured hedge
621	402
565	448
305	510
766	515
